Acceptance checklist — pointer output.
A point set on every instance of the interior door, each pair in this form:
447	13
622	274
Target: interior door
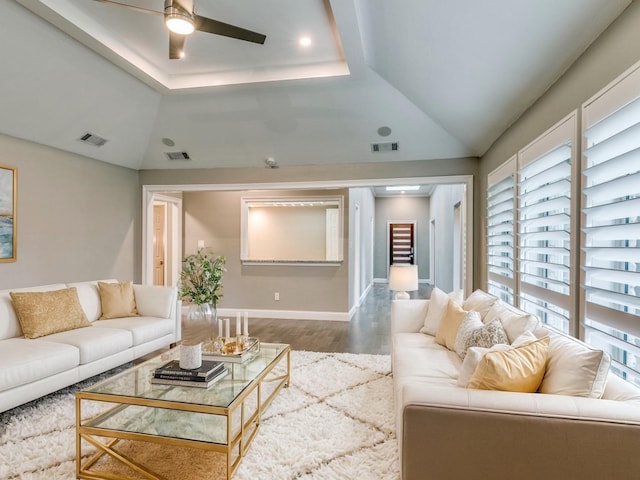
401	238
158	244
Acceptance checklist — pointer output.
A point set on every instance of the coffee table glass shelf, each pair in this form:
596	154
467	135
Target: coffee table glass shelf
224	418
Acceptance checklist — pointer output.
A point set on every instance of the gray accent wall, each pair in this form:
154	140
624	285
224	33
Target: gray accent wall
215	217
77	218
443	201
616	50
400	210
364	199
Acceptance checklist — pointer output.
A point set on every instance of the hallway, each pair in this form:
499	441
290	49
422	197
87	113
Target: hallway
367	332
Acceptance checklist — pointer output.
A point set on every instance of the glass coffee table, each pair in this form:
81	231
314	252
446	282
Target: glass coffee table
224	418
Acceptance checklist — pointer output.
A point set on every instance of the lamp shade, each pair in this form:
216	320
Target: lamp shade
403	278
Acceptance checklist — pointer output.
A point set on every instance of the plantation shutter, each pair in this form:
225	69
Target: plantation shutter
501	197
611	224
544	226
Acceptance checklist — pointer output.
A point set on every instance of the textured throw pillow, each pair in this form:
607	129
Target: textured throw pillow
44	313
487	336
437	308
470	323
517	370
480	301
117	300
446	334
575	368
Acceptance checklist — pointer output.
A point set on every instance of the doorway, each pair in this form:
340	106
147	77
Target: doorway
159	242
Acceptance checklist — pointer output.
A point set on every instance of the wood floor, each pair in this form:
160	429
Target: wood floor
367	332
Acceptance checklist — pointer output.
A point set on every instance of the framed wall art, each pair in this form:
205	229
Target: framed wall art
8	197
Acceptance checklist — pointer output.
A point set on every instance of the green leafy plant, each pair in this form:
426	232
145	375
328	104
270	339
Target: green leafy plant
201	278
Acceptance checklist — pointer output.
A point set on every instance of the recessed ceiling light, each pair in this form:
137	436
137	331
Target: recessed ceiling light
400	188
304	41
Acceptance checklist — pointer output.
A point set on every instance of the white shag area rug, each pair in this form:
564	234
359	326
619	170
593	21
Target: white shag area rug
335	421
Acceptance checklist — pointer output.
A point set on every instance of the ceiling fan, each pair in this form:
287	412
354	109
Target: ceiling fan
181	20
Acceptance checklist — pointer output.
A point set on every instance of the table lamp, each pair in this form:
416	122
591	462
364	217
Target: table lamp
403	279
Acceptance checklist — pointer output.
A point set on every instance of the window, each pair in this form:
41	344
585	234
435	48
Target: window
545	226
611	224
500	233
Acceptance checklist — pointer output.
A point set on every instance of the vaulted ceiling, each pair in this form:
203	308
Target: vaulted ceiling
446	77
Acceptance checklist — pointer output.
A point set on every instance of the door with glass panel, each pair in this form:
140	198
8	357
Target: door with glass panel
401	243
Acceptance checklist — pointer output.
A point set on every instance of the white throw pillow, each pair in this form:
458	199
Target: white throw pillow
574	368
479	301
514	320
526	337
437	309
472	359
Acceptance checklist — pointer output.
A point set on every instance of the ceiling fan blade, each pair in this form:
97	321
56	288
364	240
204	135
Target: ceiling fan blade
186	5
209	25
176	45
131	7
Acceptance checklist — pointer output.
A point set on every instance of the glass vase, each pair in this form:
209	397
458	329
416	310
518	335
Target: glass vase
200	313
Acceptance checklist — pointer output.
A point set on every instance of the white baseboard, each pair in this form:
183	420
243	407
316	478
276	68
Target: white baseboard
283	314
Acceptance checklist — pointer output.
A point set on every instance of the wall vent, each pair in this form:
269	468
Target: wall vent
93	139
384	147
178	156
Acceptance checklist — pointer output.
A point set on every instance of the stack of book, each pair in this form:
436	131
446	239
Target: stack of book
171	374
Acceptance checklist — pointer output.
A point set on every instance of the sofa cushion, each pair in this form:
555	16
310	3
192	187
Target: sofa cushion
117	300
23	361
518	369
514	320
437	309
574	368
44	313
143	329
154	301
480	301
472	359
89	297
446	334
426	363
95	342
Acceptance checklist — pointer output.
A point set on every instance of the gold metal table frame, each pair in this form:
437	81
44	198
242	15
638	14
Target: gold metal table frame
224	418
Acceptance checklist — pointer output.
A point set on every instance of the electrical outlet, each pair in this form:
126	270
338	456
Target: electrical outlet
200	244
276	296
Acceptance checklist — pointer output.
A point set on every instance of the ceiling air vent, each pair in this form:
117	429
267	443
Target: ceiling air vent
93	139
384	147
178	156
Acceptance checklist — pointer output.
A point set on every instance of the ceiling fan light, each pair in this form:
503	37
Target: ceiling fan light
179	23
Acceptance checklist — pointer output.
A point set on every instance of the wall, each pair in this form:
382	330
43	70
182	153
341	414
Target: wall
215	218
399	210
617	49
443	200
364	199
77	218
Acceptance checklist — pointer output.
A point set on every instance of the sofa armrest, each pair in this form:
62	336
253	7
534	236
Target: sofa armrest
408	315
452	432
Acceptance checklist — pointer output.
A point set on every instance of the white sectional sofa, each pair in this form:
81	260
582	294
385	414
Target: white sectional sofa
31	368
447	431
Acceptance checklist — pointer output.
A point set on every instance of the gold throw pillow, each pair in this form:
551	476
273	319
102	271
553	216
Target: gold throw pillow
44	313
518	370
117	300
448	329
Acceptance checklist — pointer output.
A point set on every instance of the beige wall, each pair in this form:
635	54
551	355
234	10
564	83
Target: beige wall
215	218
617	49
77	218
